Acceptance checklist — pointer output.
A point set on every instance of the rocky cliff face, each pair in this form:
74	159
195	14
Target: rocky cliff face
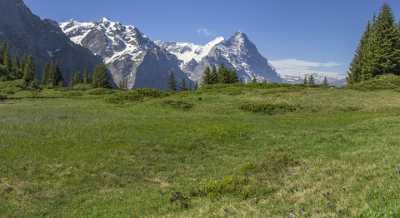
27	34
130	56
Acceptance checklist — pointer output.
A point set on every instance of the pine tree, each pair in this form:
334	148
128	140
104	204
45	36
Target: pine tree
325	83
58	79
254	80
233	76
86	76
214	75
100	77
305	81
6	60
207	79
76	78
29	71
311	80
172	82
16	69
356	71
383	56
47	74
183	85
223	74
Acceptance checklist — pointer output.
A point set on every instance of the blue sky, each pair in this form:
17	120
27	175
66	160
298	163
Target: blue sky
296	35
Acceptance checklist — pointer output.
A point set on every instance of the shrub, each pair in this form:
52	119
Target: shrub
134	96
181	105
100	91
270	109
3	97
378	83
82	87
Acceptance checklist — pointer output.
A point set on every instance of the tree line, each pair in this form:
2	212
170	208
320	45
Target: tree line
15	68
378	52
222	75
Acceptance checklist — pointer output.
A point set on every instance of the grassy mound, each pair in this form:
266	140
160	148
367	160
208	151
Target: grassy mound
378	83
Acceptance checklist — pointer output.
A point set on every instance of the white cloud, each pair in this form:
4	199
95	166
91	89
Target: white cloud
300	68
205	32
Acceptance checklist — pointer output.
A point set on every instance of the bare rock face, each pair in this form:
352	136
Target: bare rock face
27	34
129	55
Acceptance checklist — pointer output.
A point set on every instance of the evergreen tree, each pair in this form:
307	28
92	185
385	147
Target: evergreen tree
223	75
47	71
214	75
16	69
254	80
6	60
384	48
311	80
29	71
183	85
58	79
76	78
233	77
172	82
325	83
86	76
305	81
100	77
207	79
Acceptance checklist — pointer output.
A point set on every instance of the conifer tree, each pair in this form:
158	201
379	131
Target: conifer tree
58	79
6	60
325	83
183	85
233	77
85	76
311	80
254	80
47	74
29	71
384	54
172	82
15	69
356	71
207	79
76	78
100	77
214	75
305	81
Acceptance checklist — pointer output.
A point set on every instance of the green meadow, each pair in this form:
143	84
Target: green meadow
253	150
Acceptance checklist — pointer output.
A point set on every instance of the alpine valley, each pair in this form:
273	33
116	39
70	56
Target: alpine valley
134	58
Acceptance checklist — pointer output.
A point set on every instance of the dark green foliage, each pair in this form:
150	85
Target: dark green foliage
325	83
379	50
100	91
100	77
29	71
184	86
172	82
378	83
311	80
223	75
76	79
270	109
134	96
305	81
86	77
178	104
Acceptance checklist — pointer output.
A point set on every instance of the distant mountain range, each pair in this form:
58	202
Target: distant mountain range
27	34
132	56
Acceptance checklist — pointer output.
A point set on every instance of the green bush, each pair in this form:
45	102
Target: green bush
177	104
134	96
270	109
82	87
3	97
100	91
378	83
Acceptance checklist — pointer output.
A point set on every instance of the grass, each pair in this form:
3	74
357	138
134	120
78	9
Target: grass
323	152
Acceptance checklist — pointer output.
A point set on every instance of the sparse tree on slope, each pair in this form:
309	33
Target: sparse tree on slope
172	82
29	71
100	77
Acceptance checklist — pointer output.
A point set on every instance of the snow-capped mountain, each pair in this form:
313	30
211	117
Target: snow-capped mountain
237	52
131	56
